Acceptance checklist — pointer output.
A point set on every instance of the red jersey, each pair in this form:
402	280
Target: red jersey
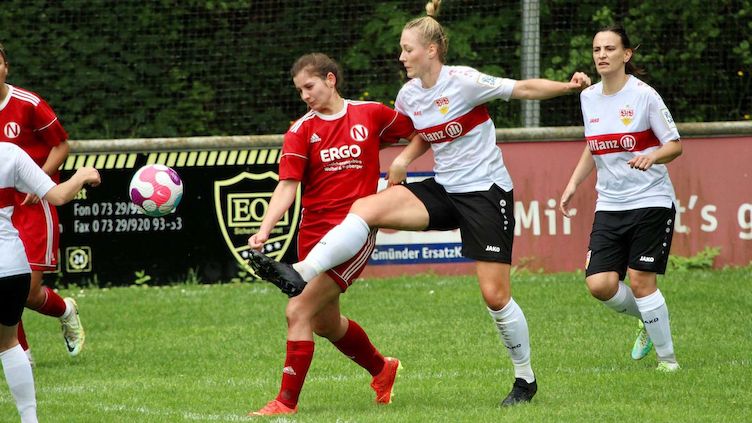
29	122
336	157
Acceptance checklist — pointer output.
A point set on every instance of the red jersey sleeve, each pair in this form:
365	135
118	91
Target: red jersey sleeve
47	126
396	126
294	160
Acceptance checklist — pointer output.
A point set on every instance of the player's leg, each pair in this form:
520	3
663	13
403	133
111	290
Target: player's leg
495	287
300	311
45	300
21	335
349	337
39	231
605	271
16	366
394	208
654	311
648	257
612	292
486	221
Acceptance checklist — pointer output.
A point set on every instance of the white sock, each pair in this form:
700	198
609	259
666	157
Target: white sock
21	382
340	244
512	326
68	311
655	316
623	301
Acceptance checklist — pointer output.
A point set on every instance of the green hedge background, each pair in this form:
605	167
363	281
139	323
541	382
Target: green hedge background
119	69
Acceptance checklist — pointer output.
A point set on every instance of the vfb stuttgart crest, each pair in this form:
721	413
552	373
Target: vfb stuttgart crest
241	203
626	115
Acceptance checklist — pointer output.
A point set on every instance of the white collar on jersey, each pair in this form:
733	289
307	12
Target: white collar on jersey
334	116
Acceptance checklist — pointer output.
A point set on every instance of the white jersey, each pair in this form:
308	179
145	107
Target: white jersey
17	172
452	116
618	127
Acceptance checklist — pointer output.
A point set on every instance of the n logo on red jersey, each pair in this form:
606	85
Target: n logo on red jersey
359	133
12	130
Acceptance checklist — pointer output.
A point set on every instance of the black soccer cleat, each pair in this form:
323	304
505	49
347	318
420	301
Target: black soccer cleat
522	391
282	275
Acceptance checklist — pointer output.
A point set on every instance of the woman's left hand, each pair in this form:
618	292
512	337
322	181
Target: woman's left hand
641	162
30	199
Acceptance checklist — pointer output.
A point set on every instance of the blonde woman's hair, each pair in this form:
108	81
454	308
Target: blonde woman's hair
430	30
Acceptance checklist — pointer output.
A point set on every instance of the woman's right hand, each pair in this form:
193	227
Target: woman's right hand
396	174
257	240
566	197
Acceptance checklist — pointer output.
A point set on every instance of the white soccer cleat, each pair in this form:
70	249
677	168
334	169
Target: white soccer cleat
73	332
666	367
643	344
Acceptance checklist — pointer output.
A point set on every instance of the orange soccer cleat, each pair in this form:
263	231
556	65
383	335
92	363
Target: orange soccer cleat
383	383
274	408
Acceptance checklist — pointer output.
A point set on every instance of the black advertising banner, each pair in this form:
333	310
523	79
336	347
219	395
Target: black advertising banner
105	240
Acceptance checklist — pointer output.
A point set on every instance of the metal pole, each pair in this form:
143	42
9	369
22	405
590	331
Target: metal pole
530	58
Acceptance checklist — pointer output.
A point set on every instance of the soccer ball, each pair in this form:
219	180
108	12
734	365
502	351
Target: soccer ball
156	190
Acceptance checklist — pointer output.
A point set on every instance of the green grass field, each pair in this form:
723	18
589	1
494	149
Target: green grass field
211	353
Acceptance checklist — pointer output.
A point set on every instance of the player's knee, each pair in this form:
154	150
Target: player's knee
642	283
295	313
601	288
363	207
496	299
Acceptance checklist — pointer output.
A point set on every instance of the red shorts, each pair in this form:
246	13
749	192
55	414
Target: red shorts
310	233
38	228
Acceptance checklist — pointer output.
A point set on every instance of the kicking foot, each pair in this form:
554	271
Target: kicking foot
280	274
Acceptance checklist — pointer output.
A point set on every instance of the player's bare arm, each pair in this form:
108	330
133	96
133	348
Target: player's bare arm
543	89
584	167
64	192
55	159
397	172
282	199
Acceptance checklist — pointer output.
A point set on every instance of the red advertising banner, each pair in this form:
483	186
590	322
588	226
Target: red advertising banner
712	179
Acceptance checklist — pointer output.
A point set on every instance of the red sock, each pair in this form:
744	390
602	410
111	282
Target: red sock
356	345
22	336
53	305
297	362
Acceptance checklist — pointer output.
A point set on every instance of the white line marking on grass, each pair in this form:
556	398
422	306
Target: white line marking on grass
152	412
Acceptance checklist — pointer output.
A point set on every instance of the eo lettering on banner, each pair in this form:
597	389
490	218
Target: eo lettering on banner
241	203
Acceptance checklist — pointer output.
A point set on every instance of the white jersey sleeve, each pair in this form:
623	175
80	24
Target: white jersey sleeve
30	178
479	88
661	122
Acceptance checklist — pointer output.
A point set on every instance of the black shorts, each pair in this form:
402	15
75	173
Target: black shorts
485	218
639	239
14	290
